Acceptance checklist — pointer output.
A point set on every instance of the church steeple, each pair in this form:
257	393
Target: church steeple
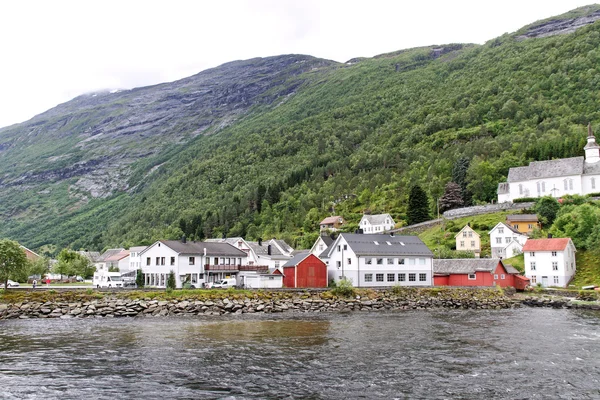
592	150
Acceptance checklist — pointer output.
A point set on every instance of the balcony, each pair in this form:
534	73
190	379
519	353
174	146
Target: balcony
236	268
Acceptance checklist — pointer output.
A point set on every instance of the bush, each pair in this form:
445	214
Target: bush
139	278
587	295
525	200
344	288
171	283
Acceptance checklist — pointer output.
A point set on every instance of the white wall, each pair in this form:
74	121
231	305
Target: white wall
543	267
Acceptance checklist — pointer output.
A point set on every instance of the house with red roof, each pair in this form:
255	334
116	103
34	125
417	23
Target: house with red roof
331	223
550	262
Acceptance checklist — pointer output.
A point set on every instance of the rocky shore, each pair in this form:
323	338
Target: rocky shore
115	305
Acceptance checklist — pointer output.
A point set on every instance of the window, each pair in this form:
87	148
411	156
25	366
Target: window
421	261
369	261
320	247
277	263
553	254
401	261
532	254
422	277
345	247
498	240
533	279
412	277
368	277
411	261
401	277
554	266
571	184
530	226
495	276
379	277
172	260
464	234
520	188
391	261
507	240
157	260
379	261
472	243
556	279
192	260
502	276
593	183
462	243
532	264
338	264
349	261
162	261
501	230
339	248
147	260
565	182
391	277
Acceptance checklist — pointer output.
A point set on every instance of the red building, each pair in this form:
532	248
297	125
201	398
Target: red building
305	270
476	272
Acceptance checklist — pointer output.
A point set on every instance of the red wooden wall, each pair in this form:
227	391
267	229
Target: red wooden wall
309	273
481	279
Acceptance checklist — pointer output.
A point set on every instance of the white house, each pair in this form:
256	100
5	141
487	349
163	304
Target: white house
193	262
380	260
321	244
272	253
377	223
501	238
135	261
550	262
113	259
576	175
468	240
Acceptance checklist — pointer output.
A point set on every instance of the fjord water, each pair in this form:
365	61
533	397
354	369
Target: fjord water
442	354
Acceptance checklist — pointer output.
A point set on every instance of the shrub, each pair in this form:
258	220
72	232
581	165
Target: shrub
525	200
344	288
89	291
139	278
587	295
171	283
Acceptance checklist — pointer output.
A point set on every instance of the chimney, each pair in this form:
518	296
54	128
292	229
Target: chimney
549	236
260	241
392	234
183	239
269	249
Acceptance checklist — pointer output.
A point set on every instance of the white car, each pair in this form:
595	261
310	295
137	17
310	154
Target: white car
12	284
225	283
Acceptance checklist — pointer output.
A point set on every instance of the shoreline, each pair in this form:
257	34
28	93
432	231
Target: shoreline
84	304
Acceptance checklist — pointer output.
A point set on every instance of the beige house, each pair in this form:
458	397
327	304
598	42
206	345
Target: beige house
468	240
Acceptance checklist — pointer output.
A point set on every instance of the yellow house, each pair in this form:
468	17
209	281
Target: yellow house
468	240
524	223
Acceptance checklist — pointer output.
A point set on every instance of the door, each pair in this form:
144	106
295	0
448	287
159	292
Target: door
544	281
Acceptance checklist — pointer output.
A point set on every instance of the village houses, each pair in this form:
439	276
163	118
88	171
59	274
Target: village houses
524	223
550	262
505	241
378	223
271	253
477	272
468	240
332	224
321	244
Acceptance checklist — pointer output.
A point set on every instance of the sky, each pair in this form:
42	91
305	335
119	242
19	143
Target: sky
53	51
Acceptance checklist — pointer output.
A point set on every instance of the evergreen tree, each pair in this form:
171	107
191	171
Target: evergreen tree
171	283
547	208
452	197
459	175
418	206
139	278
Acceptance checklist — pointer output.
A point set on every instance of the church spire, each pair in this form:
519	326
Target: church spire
592	150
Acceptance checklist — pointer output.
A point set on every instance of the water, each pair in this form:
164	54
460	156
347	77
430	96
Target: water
513	354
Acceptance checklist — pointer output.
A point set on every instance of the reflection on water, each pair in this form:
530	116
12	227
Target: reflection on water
528	353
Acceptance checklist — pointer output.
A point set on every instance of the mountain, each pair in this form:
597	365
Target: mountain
268	146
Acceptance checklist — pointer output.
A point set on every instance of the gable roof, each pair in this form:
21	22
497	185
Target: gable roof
553	244
212	248
297	259
330	220
465	265
465	227
547	169
376	219
510	228
382	245
111	255
510	269
522	218
137	249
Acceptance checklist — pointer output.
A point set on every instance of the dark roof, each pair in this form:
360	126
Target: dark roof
510	269
212	248
327	240
547	169
591	168
465	265
522	218
298	257
383	245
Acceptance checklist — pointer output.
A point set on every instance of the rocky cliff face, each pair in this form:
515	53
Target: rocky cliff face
559	26
94	140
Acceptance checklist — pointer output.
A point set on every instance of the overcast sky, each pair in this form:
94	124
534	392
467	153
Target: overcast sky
52	51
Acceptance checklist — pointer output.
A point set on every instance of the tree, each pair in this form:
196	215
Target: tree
71	263
547	207
452	197
12	260
459	175
171	283
580	223
418	206
139	278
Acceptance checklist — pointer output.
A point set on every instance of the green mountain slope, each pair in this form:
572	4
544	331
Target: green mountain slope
321	138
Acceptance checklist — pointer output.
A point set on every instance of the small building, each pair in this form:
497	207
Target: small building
272	253
113	259
30	254
321	244
305	270
257	280
468	240
550	262
501	236
378	223
524	223
474	272
331	223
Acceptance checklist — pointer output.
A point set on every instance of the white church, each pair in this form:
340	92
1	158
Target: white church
556	178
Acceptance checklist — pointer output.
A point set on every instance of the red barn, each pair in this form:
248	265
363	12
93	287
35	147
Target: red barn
305	270
475	272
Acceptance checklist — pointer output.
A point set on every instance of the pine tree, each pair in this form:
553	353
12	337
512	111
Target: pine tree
171	284
418	206
459	175
452	197
139	278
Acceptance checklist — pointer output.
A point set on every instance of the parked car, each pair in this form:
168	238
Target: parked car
225	283
79	279
12	284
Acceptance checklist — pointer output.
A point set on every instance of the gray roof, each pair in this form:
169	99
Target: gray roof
377	219
93	256
385	245
327	240
108	253
212	248
522	217
591	168
286	247
503	188
547	169
137	249
510	269
263	249
464	265
296	259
